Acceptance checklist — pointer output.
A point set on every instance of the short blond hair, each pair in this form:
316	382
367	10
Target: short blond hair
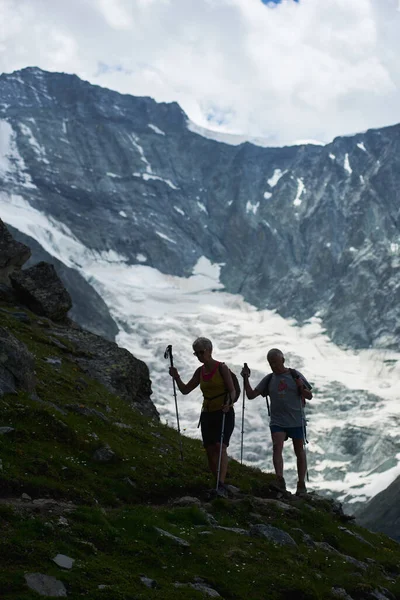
202	343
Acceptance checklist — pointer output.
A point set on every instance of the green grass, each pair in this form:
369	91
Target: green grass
116	506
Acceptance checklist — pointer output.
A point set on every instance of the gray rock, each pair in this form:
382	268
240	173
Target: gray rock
326	547
4	430
357	536
53	361
104	454
238	530
64	561
284	506
26	497
12	254
150	583
45	585
129	481
381	594
272	534
36	398
116	368
357	563
200	587
307	539
88	307
17	365
80	409
41	289
186	501
340	593
179	541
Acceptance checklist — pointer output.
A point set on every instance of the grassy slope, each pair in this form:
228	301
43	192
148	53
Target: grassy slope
49	455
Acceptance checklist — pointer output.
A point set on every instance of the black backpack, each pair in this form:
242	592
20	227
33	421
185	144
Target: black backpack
236	385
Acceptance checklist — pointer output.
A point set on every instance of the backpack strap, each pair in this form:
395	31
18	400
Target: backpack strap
269	377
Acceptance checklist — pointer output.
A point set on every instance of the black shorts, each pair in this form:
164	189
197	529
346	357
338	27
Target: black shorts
211	426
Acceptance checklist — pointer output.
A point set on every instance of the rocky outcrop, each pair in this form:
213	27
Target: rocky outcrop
88	307
114	367
382	513
13	254
17	365
41	290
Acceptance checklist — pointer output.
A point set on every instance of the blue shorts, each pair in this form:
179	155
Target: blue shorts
296	433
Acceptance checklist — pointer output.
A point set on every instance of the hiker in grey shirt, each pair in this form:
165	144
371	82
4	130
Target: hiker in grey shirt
288	389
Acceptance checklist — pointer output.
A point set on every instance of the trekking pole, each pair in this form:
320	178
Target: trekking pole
220	449
241	442
168	353
303	425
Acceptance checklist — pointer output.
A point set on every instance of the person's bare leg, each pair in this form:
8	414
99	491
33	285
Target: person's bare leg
300	452
278	439
224	462
212	455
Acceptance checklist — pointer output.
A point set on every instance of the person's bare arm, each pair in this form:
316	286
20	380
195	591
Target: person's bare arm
185	388
250	393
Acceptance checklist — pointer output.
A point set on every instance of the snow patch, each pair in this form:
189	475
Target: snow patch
165	237
123	214
135	141
39	150
300	189
332	156
346	164
267	195
277	174
202	207
155	128
12	165
148	177
361	146
141	258
252	207
112	175
179	210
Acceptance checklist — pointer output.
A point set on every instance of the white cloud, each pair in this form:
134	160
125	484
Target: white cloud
299	70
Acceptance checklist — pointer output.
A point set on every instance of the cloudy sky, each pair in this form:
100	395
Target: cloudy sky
285	70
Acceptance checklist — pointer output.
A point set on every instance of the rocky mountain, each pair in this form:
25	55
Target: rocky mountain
382	513
125	195
302	230
96	501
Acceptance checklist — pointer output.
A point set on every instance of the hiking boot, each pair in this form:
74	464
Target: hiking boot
301	489
222	490
280	484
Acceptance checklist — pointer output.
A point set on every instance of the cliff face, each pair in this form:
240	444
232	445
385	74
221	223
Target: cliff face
303	229
382	513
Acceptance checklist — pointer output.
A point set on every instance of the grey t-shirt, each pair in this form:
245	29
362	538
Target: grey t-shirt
286	409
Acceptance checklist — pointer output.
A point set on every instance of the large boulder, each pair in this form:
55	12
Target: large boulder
12	254
116	368
40	289
16	365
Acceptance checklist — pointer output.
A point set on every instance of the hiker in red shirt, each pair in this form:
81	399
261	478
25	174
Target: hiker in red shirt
219	394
